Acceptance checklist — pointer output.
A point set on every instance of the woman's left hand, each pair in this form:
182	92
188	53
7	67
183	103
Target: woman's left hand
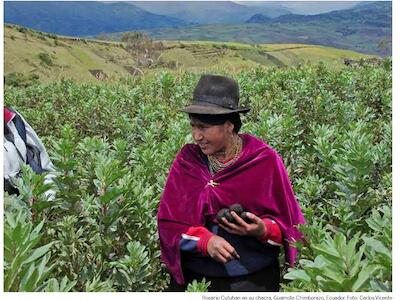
256	228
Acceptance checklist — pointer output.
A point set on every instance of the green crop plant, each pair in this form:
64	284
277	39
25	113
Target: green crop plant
26	261
113	143
198	286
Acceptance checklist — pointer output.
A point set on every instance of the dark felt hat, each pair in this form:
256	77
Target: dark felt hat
215	95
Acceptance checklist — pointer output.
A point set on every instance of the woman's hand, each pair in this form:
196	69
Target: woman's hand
256	228
220	250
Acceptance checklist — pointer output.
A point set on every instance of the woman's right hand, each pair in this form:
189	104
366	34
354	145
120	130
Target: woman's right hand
220	250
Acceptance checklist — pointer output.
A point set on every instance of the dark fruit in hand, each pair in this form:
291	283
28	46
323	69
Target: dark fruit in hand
237	208
229	217
221	214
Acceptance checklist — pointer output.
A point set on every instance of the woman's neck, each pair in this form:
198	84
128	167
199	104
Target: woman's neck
230	150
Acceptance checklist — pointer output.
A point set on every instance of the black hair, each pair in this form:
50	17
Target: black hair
234	118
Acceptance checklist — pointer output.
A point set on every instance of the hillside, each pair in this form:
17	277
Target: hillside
53	57
304	7
365	28
86	18
83	18
376	14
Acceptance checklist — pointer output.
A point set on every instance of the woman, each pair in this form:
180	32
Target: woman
225	168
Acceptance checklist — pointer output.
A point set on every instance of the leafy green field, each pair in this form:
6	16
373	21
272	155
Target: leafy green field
113	144
29	53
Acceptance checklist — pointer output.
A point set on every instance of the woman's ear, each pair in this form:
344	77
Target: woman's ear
229	126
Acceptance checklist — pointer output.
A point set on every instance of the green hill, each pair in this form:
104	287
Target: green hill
30	53
366	28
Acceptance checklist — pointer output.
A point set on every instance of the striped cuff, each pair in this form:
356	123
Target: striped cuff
272	233
196	240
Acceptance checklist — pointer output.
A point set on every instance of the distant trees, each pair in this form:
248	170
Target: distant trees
141	46
135	38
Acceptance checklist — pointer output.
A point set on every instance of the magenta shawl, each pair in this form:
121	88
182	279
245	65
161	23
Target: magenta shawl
257	180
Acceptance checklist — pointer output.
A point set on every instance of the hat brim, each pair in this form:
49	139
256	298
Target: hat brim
211	110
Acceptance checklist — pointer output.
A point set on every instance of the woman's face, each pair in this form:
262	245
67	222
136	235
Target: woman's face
211	138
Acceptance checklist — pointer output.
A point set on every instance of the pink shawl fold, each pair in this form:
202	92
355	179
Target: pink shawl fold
257	180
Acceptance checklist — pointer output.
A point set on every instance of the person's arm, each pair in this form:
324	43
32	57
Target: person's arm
272	234
200	240
195	240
